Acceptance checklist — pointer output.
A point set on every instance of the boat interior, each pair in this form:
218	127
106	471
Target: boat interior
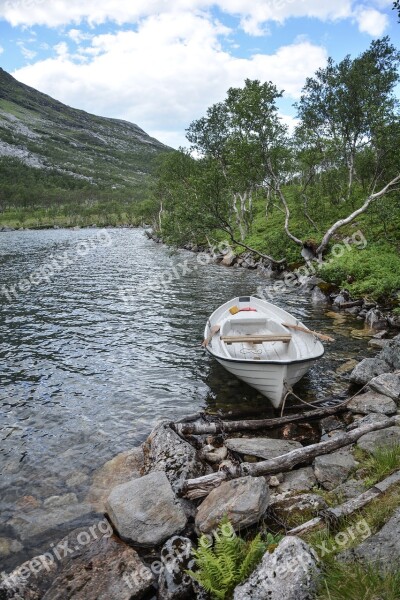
256	337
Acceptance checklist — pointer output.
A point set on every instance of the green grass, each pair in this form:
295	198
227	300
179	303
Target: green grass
381	463
354	581
374	270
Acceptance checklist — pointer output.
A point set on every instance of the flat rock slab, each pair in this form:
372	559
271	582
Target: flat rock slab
332	469
383	437
145	511
102	568
122	468
373	402
243	500
261	447
300	480
383	548
285	507
387	384
289	573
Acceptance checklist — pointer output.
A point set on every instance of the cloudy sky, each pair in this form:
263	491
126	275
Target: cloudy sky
161	63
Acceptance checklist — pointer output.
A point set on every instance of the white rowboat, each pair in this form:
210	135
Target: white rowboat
261	344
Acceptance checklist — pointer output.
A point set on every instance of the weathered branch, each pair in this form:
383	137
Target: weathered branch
371	198
282	463
195	428
349	507
282	261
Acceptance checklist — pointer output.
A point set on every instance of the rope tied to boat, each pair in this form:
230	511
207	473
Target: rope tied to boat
291	392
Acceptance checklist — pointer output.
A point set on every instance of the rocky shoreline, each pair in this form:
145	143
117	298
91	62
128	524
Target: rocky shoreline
376	317
141	526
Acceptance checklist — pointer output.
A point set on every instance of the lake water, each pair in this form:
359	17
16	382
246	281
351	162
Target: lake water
87	368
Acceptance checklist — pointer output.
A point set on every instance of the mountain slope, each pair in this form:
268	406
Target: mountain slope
69	146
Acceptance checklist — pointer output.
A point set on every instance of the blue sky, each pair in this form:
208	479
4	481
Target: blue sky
161	63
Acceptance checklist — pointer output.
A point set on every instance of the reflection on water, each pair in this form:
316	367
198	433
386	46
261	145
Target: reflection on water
84	374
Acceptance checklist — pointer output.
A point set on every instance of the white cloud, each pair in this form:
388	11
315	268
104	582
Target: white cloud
26	52
61	49
371	21
254	15
166	73
78	36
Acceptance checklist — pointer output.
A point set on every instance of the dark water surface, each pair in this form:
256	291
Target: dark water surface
85	374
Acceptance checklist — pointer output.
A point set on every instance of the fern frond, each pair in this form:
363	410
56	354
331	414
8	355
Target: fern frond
229	561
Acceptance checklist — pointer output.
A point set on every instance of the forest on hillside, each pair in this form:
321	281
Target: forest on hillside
247	178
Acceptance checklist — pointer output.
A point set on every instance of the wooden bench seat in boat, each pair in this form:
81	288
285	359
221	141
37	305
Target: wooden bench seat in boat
256	338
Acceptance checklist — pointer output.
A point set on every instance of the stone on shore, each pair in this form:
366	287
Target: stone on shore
383	437
299	480
290	572
382	548
391	354
165	451
288	508
388	384
243	500
99	568
372	402
367	369
375	319
122	468
332	469
228	260
174	583
61	513
145	511
261	447
9	546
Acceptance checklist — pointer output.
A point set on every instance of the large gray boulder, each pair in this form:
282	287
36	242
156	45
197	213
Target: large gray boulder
261	447
289	573
165	451
145	511
243	500
391	354
385	361
94	565
388	384
367	369
383	548
383	437
373	402
332	469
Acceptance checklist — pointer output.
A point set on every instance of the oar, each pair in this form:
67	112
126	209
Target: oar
321	336
214	329
235	309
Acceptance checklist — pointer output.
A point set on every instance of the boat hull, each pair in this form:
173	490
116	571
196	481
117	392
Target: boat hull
272	381
272	364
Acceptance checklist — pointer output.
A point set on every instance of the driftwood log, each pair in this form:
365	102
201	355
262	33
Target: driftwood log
332	515
194	428
201	486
